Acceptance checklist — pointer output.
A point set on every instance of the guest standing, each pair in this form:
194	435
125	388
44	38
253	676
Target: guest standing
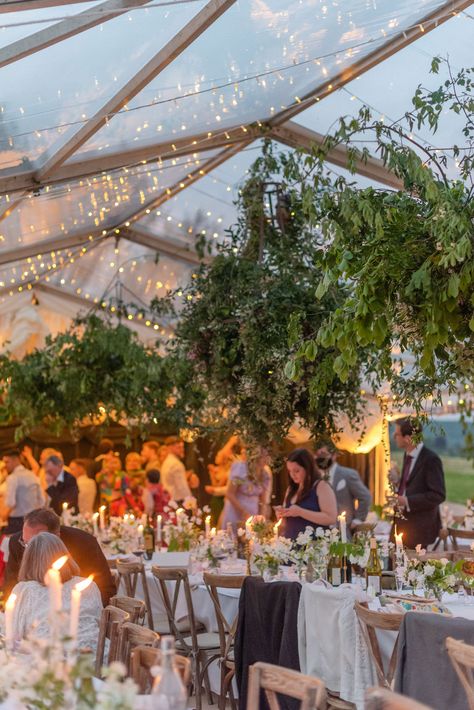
173	472
219	471
347	486
31	613
248	490
421	487
309	500
87	486
22	493
150	455
154	496
82	547
62	486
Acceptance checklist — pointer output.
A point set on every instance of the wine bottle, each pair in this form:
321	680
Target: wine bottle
168	688
373	571
335	571
149	539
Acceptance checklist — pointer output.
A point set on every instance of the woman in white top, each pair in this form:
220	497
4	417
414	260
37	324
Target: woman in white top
31	614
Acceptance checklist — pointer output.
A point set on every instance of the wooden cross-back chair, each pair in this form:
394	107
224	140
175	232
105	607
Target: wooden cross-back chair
132	635
275	680
462	658
369	621
201	647
456	534
227	630
135	608
143	660
111	619
384	699
129	573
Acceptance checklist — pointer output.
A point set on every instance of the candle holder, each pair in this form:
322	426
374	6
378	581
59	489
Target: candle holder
248	557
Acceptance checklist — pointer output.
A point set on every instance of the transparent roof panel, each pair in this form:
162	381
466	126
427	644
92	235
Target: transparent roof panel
17	25
91	204
207	205
388	88
104	271
257	59
50	94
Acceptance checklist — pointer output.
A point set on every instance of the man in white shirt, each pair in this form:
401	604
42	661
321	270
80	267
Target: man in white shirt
87	486
173	472
23	492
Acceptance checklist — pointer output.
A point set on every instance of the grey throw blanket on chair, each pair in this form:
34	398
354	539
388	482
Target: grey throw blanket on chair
267	631
424	670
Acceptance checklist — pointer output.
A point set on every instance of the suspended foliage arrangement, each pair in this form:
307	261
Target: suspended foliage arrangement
96	372
234	316
406	256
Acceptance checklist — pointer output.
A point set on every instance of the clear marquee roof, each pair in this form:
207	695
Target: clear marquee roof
126	126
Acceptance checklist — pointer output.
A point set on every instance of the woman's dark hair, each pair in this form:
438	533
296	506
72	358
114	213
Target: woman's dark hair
305	459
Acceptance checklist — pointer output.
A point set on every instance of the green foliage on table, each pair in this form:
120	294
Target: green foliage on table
95	371
233	321
406	256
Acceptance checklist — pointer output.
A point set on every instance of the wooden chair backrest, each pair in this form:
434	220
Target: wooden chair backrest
135	608
455	534
130	573
275	679
383	699
462	658
111	619
143	660
226	629
178	575
369	621
132	635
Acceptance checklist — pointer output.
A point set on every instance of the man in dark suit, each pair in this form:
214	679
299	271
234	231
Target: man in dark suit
83	548
62	486
421	487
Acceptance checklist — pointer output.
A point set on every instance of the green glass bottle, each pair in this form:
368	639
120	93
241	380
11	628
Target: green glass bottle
373	570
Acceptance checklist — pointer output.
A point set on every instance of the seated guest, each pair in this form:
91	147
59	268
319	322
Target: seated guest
155	498
22	492
248	490
133	466
309	500
61	485
87	486
82	547
31	613
346	484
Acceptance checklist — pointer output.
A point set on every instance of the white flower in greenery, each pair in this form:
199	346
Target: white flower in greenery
450	580
429	570
420	551
444	561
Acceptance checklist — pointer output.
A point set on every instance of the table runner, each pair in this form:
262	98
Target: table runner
267	631
424	670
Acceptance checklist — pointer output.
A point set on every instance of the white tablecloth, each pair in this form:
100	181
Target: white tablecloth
331	645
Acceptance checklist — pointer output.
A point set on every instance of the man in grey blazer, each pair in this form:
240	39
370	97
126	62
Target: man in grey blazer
347	485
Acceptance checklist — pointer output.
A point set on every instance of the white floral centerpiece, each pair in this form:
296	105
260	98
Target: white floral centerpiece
433	576
269	555
211	549
182	530
312	548
122	535
41	676
82	522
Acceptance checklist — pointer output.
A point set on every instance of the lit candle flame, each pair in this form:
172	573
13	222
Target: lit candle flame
102	507
60	562
399	538
80	586
277	525
64	506
10	603
95	516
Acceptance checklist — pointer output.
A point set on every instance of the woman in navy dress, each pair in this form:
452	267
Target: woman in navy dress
309	500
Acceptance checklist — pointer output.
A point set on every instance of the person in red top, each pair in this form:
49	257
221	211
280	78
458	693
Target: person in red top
155	498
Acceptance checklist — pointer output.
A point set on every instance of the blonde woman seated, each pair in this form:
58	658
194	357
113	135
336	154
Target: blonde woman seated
31	615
